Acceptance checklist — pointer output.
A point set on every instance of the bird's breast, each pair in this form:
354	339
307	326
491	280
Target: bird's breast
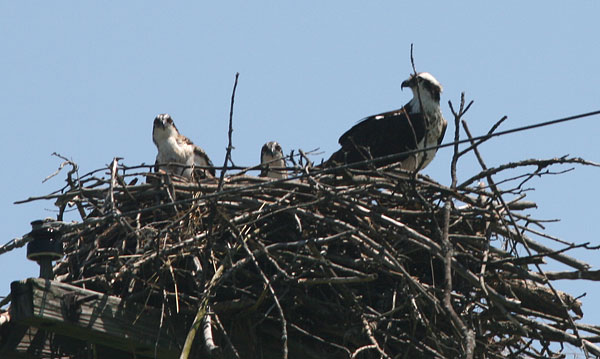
171	151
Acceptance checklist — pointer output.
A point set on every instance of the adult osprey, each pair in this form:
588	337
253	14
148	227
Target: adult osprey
175	148
419	124
272	161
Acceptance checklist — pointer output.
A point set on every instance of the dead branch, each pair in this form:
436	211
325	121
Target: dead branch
229	135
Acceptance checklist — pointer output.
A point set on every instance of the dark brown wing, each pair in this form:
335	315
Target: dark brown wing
381	135
202	159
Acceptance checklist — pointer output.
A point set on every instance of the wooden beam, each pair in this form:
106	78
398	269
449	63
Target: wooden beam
93	317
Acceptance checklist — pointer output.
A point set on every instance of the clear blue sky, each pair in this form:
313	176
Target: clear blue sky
86	79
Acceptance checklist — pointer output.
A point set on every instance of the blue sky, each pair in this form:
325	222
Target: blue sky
86	79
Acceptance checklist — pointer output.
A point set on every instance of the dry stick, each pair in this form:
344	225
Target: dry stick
308	163
229	135
582	344
65	162
447	248
589	275
491	131
113	182
305	332
114	211
530	162
74	170
161	322
559	257
412	62
486	253
538	258
362	349
544	235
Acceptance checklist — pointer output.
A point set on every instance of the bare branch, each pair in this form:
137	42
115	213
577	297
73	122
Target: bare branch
229	134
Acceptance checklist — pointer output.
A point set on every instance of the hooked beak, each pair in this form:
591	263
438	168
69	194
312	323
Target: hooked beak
404	84
410	82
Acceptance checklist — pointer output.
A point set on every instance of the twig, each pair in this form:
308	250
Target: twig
524	163
229	135
338	280
491	131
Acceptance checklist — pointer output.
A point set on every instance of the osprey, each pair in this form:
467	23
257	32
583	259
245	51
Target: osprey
417	125
272	161
175	148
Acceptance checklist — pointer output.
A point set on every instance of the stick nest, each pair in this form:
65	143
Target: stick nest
334	264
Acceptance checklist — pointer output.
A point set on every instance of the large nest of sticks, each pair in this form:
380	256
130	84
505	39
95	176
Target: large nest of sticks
333	263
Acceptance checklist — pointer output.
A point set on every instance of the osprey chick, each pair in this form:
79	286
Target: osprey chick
175	148
272	161
417	125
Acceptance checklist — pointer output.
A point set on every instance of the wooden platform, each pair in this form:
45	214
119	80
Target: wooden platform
52	319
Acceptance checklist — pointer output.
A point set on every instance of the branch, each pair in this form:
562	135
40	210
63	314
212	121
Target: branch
229	135
447	248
